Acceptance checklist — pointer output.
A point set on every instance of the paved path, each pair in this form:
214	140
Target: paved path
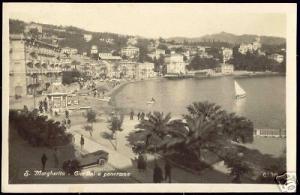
123	159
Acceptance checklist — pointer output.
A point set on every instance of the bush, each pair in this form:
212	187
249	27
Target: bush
38	130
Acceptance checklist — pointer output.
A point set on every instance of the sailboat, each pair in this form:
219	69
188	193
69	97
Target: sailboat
239	91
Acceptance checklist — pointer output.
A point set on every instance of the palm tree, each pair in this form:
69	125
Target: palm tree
155	128
115	124
91	118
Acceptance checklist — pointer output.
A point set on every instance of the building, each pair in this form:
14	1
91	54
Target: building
227	54
130	52
270	132
251	47
108	56
34	65
157	53
33	26
87	37
132	41
145	70
175	64
277	57
17	67
94	49
107	40
227	68
128	69
69	51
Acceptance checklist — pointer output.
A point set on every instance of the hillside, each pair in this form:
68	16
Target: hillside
231	38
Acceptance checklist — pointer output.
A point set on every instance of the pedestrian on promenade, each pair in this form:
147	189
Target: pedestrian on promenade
67	113
81	141
142	116
157	174
144	162
168	171
44	160
138	115
140	163
56	162
131	115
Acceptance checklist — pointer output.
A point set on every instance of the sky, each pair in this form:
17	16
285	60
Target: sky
157	20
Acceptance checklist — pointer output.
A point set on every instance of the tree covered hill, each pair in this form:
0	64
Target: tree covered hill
232	39
70	36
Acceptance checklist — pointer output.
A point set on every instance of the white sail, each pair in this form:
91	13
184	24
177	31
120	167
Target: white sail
239	91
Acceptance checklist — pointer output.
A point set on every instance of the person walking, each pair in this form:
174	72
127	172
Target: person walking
44	160
81	141
157	174
168	171
138	115
55	155
142	116
131	115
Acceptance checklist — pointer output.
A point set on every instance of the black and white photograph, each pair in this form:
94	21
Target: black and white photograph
152	94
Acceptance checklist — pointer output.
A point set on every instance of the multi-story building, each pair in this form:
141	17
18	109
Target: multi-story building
277	57
128	68
227	54
94	49
227	68
87	37
145	70
157	53
69	51
130	52
251	47
34	65
109	57
175	64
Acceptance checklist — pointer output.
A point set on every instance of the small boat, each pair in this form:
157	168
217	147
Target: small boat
239	91
152	101
104	99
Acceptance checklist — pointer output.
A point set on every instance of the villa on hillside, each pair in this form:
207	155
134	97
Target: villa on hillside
175	64
130	51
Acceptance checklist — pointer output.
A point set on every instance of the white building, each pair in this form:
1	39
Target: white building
108	56
227	68
94	49
227	54
251	47
128	68
69	50
132	41
87	37
156	54
145	70
130	51
32	26
175	64
277	57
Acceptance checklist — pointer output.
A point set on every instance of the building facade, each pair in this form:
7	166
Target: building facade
227	69
227	54
69	51
130	52
34	65
277	57
145	70
175	64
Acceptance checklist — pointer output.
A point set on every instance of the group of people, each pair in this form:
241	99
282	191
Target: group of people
140	115
158	176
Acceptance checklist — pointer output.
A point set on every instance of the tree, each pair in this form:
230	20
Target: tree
202	129
155	128
198	63
115	123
